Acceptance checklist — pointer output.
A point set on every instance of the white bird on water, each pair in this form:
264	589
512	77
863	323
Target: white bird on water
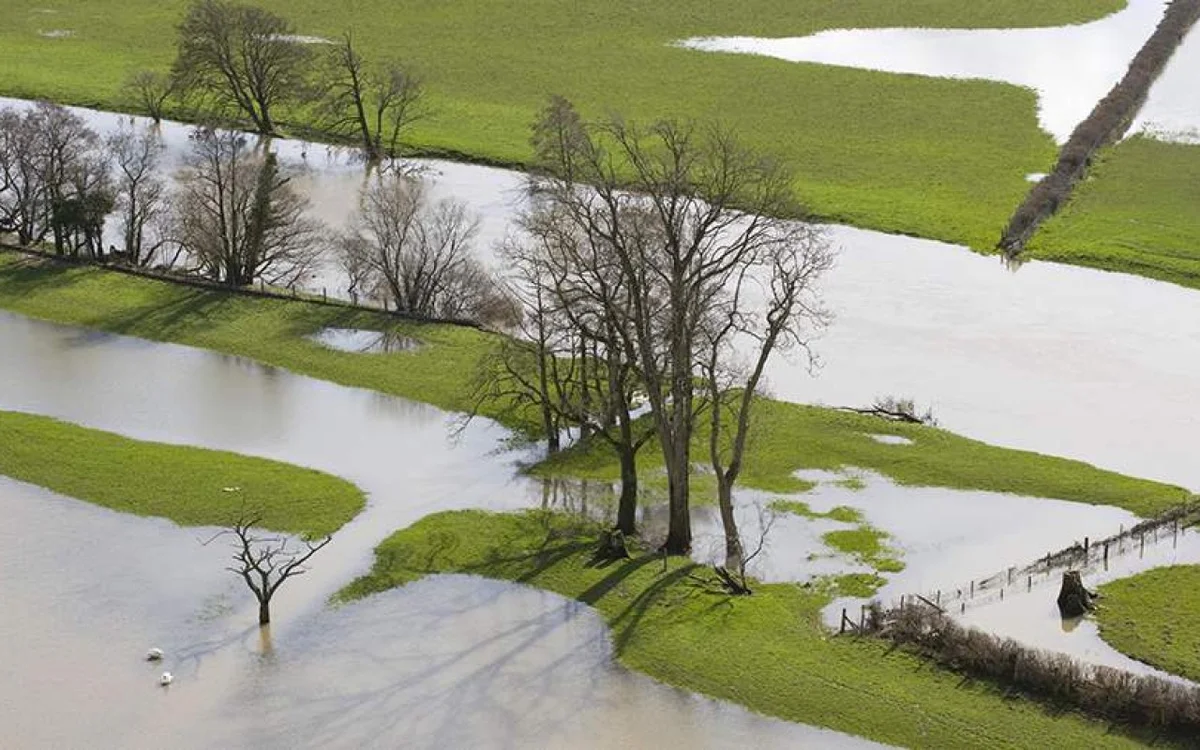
166	679
154	654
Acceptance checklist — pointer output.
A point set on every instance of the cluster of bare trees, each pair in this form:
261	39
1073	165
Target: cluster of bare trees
242	62
659	269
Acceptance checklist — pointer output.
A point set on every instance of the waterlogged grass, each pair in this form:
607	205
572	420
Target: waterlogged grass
1139	213
271	331
866	544
1152	617
939	158
769	651
191	486
786	437
789	437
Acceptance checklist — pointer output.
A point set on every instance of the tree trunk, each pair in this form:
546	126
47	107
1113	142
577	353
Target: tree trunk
627	505
679	533
1074	600
264	612
733	541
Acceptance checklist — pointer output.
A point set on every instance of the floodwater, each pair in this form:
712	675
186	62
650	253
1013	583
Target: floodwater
364	342
1028	359
1070	67
1172	110
450	662
1032	617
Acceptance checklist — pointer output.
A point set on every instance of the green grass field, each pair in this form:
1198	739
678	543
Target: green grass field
1153	618
186	485
786	437
768	651
937	158
1139	213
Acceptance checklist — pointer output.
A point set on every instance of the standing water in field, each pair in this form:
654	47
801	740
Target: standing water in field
1172	110
1071	67
449	662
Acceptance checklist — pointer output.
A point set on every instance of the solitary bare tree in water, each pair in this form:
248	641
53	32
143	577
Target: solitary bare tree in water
266	562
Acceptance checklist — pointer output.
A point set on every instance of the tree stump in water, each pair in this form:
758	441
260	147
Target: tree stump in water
1074	600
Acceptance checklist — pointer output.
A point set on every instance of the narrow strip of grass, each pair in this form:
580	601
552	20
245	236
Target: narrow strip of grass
1139	213
768	651
786	437
789	437
191	486
1153	617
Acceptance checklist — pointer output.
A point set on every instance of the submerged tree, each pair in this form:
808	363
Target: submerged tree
140	193
241	58
237	218
265	562
151	90
374	104
418	253
684	213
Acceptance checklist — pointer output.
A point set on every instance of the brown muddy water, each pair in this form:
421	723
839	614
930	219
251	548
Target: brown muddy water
449	662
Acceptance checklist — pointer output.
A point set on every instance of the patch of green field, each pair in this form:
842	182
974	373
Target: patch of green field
786	437
789	437
1152	617
1139	213
866	544
769	651
186	485
938	158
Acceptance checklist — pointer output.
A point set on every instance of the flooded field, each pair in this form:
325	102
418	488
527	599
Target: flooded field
1098	54
447	662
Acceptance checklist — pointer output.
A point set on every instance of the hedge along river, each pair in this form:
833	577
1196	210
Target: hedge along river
1070	67
1052	358
452	661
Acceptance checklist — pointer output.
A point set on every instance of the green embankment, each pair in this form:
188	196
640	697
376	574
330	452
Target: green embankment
1139	213
187	485
933	157
768	651
1152	617
786	437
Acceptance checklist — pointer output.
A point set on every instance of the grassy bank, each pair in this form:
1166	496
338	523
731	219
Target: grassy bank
1138	214
939	158
786	437
186	485
1152	617
768	652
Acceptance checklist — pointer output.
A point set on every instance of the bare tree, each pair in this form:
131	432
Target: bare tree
151	90
417	253
683	211
236	216
788	264
266	562
373	104
53	180
140	193
240	57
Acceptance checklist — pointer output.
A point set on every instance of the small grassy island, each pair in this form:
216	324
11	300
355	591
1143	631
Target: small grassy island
190	486
1152	617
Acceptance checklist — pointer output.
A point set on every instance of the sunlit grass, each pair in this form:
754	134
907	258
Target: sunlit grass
1152	617
191	486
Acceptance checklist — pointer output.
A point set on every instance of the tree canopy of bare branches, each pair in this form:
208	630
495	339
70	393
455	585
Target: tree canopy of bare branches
375	104
240	58
151	90
680	217
266	562
54	179
236	216
140	193
418	253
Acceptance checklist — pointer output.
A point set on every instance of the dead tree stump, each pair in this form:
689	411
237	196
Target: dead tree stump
612	546
1074	600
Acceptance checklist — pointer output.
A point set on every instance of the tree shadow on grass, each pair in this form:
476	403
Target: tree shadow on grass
36	274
